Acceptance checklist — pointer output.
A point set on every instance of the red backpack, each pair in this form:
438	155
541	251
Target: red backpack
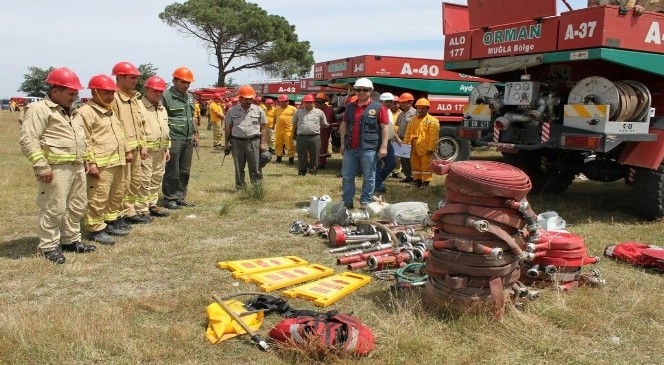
332	330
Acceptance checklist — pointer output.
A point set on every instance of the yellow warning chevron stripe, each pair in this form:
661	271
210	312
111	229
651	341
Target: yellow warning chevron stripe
477	109
586	111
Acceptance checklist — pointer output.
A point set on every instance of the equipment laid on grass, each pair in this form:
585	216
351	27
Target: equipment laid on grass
637	253
246	267
330	289
229	319
254	337
281	278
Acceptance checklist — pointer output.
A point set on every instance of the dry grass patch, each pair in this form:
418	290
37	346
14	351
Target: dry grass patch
143	300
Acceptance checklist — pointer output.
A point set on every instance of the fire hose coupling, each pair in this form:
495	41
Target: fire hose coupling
426	245
496	253
406	238
296	227
550	269
480	225
428	222
419	254
307	230
519	291
534	271
530	247
357	246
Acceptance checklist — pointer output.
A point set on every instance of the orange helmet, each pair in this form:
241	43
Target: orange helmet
423	102
125	68
183	74
246	91
322	95
308	98
156	83
102	82
406	97
283	97
64	77
353	98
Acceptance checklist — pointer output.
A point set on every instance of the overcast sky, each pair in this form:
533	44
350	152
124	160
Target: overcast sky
91	36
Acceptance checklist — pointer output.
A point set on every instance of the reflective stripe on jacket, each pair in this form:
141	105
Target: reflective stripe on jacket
105	135
130	113
155	126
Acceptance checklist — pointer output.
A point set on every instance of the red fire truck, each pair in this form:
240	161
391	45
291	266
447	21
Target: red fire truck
582	92
446	90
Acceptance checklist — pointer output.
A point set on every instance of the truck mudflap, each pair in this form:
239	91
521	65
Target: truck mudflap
648	154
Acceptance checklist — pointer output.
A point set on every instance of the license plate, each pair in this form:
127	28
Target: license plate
475	123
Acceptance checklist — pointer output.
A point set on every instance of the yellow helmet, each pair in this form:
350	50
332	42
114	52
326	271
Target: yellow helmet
423	102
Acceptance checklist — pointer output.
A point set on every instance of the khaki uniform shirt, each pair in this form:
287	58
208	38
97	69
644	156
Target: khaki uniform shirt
155	126
245	124
49	136
104	135
130	113
309	122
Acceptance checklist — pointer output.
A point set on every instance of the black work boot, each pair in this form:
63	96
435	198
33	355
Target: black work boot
137	219
113	230
55	256
278	159
291	160
424	185
79	247
417	183
119	224
101	237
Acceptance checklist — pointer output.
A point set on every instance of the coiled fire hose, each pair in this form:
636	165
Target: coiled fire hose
480	235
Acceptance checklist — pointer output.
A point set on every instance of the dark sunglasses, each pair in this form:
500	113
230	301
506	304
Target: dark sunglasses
362	90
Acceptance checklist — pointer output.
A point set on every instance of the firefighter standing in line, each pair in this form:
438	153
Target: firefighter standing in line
269	115
245	126
422	135
325	132
407	112
183	130
109	154
158	142
283	118
307	123
53	139
126	107
216	116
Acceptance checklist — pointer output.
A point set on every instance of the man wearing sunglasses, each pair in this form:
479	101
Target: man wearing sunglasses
364	136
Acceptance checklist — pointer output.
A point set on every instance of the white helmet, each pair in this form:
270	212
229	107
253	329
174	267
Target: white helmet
386	97
363	82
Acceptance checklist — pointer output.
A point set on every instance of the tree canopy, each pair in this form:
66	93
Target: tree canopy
147	70
34	82
242	36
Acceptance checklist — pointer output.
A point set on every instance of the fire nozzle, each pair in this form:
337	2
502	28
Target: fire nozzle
357	246
534	271
340	236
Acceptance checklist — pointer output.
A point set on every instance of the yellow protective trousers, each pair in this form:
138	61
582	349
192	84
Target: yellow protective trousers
269	136
283	137
105	195
153	170
218	133
420	165
61	205
133	180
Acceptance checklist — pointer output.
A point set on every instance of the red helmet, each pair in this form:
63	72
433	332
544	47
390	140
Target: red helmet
235	99
125	68
308	98
283	97
269	101
64	77
102	82
216	96
156	83
258	98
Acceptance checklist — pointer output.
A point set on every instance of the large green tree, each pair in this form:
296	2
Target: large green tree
147	70
34	81
241	36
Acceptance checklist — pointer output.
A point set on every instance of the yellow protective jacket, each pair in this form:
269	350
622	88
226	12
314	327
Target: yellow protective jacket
220	325
215	112
284	118
424	133
197	110
49	136
130	113
269	114
104	135
155	126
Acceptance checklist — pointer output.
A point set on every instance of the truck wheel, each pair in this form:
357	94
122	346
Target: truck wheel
545	177
450	147
648	192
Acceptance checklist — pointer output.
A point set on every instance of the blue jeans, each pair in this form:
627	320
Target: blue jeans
366	161
389	162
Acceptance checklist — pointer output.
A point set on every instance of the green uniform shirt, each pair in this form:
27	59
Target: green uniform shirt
180	109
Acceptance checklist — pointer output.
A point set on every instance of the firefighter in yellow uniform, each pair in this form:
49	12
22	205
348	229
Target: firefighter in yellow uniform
269	127
109	152
158	143
283	129
127	108
53	140
422	135
216	115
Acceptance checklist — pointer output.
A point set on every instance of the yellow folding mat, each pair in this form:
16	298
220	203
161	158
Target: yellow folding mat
281	278
330	289
241	268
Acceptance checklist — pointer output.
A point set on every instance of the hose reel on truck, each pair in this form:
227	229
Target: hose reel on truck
628	101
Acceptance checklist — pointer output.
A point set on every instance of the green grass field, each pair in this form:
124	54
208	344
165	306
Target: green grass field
143	300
